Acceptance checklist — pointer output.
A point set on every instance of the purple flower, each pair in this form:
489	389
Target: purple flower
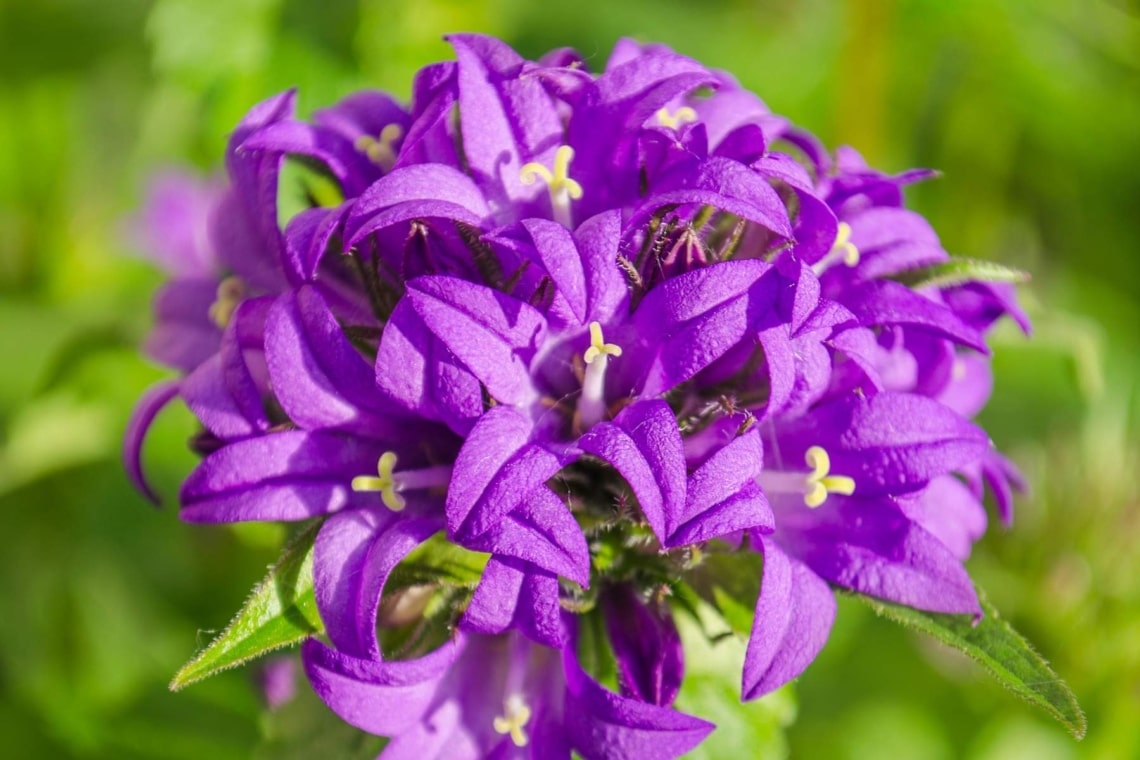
495	696
593	328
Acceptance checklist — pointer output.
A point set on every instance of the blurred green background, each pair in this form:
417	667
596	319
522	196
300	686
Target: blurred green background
1031	108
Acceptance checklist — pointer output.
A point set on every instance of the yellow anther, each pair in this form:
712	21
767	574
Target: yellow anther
682	115
382	151
598	345
820	482
513	723
557	181
843	245
231	291
384	482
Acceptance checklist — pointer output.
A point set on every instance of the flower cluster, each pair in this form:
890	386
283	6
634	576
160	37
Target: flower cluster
598	330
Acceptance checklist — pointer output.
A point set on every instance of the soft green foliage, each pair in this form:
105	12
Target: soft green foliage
281	611
958	271
1001	650
712	689
1028	107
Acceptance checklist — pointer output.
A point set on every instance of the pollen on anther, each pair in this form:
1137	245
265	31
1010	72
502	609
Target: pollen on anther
381	151
844	245
514	722
230	293
558	180
383	482
820	482
598	345
674	119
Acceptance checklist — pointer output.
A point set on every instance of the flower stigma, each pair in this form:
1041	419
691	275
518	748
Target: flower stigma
562	188
381	151
592	403
820	483
230	293
815	486
674	119
841	250
390	483
513	723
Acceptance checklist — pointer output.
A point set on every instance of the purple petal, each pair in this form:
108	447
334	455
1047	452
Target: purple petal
980	304
602	724
612	109
883	302
282	476
949	511
428	190
723	184
430	140
170	228
794	614
142	416
309	235
418	371
184	336
723	495
644	445
224	392
872	547
687	322
646	645
383	698
543	532
495	336
888	443
497	468
321	380
892	240
354	554
254	175
516	595
507	119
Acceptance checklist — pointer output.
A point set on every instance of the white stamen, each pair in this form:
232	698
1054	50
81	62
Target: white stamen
592	402
382	151
390	483
841	250
514	721
814	486
562	188
672	120
230	293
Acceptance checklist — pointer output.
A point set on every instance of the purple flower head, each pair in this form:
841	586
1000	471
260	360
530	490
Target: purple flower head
593	329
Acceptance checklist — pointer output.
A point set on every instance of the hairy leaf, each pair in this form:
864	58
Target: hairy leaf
281	611
999	649
959	271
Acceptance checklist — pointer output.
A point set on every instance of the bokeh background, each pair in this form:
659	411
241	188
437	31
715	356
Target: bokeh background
1031	109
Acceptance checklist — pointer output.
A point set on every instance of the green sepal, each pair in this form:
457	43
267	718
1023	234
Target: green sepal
281	611
730	584
995	645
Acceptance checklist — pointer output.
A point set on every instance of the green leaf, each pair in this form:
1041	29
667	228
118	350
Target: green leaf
730	584
711	689
281	611
999	649
959	271
438	561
